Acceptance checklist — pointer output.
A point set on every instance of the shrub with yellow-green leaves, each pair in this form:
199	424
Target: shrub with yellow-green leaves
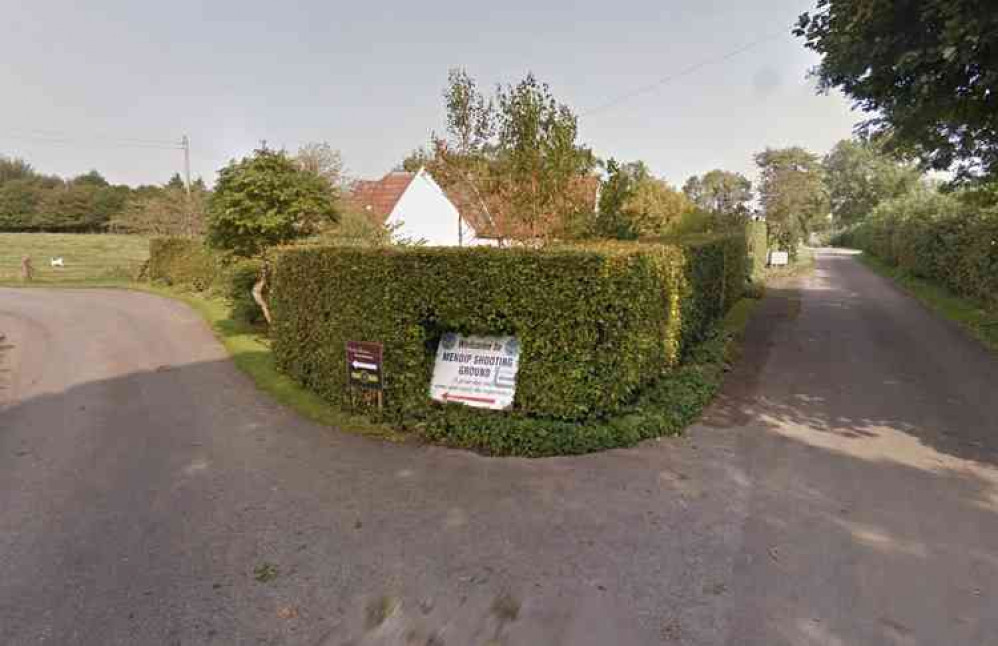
598	326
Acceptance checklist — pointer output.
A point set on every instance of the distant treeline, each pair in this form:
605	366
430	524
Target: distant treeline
34	202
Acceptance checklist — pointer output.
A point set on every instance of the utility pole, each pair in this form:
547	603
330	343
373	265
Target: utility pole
186	143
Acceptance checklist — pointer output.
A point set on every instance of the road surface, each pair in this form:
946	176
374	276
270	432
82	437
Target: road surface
844	490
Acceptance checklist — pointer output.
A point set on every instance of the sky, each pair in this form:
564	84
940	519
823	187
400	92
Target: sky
113	85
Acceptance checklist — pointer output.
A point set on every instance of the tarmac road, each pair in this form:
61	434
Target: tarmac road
844	490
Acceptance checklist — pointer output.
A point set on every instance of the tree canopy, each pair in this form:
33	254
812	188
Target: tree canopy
634	204
860	176
926	69
792	193
514	159
31	201
266	199
720	191
319	158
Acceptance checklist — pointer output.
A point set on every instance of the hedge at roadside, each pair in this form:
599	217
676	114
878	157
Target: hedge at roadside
597	326
189	264
757	238
936	239
183	262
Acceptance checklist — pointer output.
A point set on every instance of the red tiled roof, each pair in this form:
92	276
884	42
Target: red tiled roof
378	198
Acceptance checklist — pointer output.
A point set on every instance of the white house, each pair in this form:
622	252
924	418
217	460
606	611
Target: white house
416	209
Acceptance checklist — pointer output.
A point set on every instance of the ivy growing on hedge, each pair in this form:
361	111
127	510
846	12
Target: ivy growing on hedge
597	325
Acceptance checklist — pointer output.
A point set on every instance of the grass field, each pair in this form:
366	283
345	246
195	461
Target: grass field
88	257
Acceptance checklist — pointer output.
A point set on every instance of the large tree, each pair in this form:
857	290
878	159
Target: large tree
167	211
926	69
634	204
266	199
859	177
514	159
14	168
720	191
792	193
321	159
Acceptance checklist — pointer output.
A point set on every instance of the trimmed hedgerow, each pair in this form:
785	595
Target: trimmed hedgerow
666	407
188	264
594	324
183	262
757	238
597	325
935	237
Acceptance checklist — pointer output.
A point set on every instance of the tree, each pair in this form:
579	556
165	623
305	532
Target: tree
176	182
93	178
720	191
13	168
926	69
635	204
792	193
264	200
513	159
19	202
166	211
860	176
319	158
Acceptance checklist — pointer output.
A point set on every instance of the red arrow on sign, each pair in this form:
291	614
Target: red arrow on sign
468	398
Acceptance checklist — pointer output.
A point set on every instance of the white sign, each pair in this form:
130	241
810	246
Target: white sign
779	258
478	371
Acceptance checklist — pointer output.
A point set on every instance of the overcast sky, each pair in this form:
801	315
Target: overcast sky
78	77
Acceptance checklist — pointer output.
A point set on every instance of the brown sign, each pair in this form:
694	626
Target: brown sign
364	364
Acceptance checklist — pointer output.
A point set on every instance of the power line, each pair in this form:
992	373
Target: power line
665	80
91	141
63	134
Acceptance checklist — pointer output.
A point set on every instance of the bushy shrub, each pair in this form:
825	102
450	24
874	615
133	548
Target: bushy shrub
597	325
241	277
188	264
183	262
934	236
266	199
757	239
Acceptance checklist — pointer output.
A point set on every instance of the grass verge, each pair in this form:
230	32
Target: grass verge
981	323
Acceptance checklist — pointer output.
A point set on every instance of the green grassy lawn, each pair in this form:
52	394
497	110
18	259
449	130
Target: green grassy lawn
89	258
980	322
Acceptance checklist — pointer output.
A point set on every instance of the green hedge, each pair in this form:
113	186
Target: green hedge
597	325
183	262
189	264
757	238
936	238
